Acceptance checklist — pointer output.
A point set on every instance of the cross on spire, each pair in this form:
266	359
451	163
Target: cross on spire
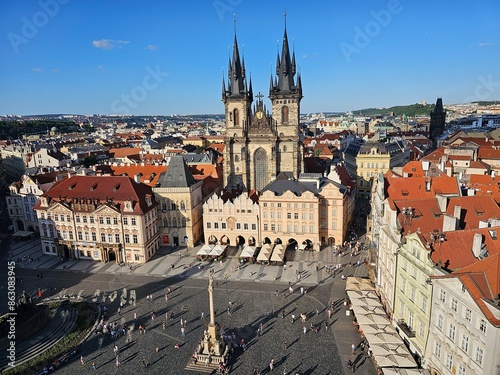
259	96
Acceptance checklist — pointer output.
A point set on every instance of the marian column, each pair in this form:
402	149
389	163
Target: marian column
211	343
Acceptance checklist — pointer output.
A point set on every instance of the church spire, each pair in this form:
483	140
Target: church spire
236	86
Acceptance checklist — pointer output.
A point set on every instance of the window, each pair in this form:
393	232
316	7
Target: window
468	315
216	225
87	238
68	218
94	237
401	308
451	331
449	360
103	237
101	220
403	285
245	226
77	218
91	218
127	238
311	216
84	218
482	326
108	220
80	237
266	227
440	322
461	370
110	238
209	225
442	296
134	238
254	226
56	217
454	304
412	293
117	238
223	225
424	303
115	221
289	215
272	215
280	228
133	220
437	349
70	234
265	214
421	328
296	216
465	343
311	229
273	228
303	216
479	356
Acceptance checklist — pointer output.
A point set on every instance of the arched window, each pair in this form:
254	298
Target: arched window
260	159
164	205
236	158
174	222
236	116
284	148
183	221
173	206
183	206
284	114
165	222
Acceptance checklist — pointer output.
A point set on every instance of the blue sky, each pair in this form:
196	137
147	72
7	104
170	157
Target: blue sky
168	57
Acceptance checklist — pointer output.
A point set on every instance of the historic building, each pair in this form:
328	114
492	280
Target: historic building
181	204
106	218
438	121
260	145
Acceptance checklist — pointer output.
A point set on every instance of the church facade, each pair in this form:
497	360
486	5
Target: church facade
260	144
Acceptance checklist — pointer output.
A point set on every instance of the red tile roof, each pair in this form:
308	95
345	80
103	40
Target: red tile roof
117	189
125	151
474	209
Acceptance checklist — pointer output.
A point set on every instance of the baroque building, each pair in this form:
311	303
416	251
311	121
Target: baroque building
260	145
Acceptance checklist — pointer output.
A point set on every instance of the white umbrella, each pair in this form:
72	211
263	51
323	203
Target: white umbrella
359	284
248	252
383	338
205	250
378	328
371	319
366	309
395	360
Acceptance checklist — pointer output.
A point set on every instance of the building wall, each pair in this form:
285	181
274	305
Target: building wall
459	333
180	216
232	222
413	292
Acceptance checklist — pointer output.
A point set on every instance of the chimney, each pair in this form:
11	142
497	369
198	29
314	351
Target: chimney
442	202
317	183
457	211
137	178
477	244
428	184
450	223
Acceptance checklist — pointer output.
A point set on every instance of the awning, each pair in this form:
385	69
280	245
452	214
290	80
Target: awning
405	371
205	250
248	252
264	254
23	233
218	250
278	255
359	284
372	319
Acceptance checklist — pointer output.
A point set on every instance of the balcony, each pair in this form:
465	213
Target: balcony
403	326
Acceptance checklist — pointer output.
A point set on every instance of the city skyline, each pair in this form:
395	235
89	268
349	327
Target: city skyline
62	56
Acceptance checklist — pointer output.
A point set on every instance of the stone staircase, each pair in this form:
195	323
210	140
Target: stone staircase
31	348
201	368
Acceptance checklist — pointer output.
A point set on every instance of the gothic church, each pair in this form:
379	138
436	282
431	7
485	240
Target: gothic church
260	145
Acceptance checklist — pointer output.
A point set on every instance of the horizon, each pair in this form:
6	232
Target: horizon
70	57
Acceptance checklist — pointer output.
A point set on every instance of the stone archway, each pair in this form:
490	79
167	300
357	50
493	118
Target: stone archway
225	240
267	240
331	241
240	240
112	256
292	244
20	225
278	241
212	240
251	241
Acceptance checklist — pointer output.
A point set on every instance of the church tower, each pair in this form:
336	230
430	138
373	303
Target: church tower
285	95
237	98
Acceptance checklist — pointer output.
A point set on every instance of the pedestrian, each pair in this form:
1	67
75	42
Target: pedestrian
260	329
115	349
304	329
144	362
277	293
117	362
120	311
271	364
183	331
81	360
353	348
207	361
93	366
229	310
302	290
326	326
285	344
135	316
202	316
290	290
164	325
157	349
166	297
329	313
283	314
293	318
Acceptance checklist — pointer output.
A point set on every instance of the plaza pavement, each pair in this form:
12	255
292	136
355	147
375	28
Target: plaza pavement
251	288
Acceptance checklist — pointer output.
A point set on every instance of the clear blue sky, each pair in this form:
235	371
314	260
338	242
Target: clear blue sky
84	56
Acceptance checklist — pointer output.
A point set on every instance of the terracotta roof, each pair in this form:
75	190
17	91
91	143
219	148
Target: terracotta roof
474	209
219	147
415	169
459	157
488	153
482	280
479	165
456	253
117	189
148	172
426	215
403	188
124	151
434	155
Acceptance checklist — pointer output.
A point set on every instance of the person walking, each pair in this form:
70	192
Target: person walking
202	316
183	331
353	348
94	366
304	329
293	318
285	344
271	364
81	360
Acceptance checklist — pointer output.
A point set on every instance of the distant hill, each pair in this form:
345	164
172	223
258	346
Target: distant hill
399	110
